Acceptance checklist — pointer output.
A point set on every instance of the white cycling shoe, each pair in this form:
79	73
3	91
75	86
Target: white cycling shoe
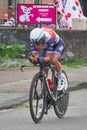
62	83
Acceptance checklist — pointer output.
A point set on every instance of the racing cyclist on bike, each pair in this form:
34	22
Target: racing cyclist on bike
51	46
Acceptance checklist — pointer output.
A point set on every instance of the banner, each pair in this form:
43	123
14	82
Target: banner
34	14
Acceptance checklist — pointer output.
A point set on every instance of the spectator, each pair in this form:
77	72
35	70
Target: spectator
71	9
5	18
12	21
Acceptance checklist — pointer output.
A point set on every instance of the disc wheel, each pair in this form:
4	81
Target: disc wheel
61	104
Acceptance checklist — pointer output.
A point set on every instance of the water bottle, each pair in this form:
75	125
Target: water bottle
51	86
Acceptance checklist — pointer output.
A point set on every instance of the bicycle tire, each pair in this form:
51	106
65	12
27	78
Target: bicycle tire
37	93
60	107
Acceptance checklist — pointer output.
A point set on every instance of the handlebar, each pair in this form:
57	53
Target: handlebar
22	66
42	66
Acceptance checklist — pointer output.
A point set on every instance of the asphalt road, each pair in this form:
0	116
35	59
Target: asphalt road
14	84
75	118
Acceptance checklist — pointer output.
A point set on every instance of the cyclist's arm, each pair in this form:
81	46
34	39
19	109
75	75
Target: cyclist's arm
46	59
34	53
33	49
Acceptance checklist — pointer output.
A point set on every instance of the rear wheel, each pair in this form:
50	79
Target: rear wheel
36	98
61	104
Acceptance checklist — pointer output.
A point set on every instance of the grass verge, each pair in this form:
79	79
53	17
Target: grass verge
11	63
74	63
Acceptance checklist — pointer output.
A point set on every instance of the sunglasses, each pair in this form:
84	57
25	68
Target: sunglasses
36	43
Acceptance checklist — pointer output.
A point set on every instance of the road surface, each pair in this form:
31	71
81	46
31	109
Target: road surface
75	118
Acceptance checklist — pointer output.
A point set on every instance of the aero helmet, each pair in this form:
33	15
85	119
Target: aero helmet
37	36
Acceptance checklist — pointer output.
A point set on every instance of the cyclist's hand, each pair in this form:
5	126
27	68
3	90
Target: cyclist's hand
39	60
29	58
32	58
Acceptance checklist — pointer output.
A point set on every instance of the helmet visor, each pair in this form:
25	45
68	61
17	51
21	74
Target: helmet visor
37	43
40	42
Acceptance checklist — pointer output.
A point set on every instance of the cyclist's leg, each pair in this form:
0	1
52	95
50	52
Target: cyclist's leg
55	61
57	52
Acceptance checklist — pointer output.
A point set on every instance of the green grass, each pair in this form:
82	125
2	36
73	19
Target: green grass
12	51
75	63
9	62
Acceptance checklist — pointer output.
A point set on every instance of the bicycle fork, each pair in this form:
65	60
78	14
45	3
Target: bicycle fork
49	97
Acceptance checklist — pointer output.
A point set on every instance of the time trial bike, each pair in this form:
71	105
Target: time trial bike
42	96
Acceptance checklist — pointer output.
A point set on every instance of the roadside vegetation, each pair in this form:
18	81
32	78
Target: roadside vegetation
73	63
14	56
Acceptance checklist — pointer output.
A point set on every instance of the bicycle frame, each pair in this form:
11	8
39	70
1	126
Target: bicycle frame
42	68
54	80
52	68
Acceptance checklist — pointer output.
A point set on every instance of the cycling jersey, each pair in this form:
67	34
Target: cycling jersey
52	40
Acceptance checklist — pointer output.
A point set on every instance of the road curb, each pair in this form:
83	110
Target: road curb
14	103
19	101
78	86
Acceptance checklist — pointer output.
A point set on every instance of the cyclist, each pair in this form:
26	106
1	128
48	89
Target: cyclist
51	46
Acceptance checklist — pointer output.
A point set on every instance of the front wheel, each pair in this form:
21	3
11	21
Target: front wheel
36	98
61	104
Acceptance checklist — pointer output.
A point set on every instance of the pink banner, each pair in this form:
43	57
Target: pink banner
34	14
